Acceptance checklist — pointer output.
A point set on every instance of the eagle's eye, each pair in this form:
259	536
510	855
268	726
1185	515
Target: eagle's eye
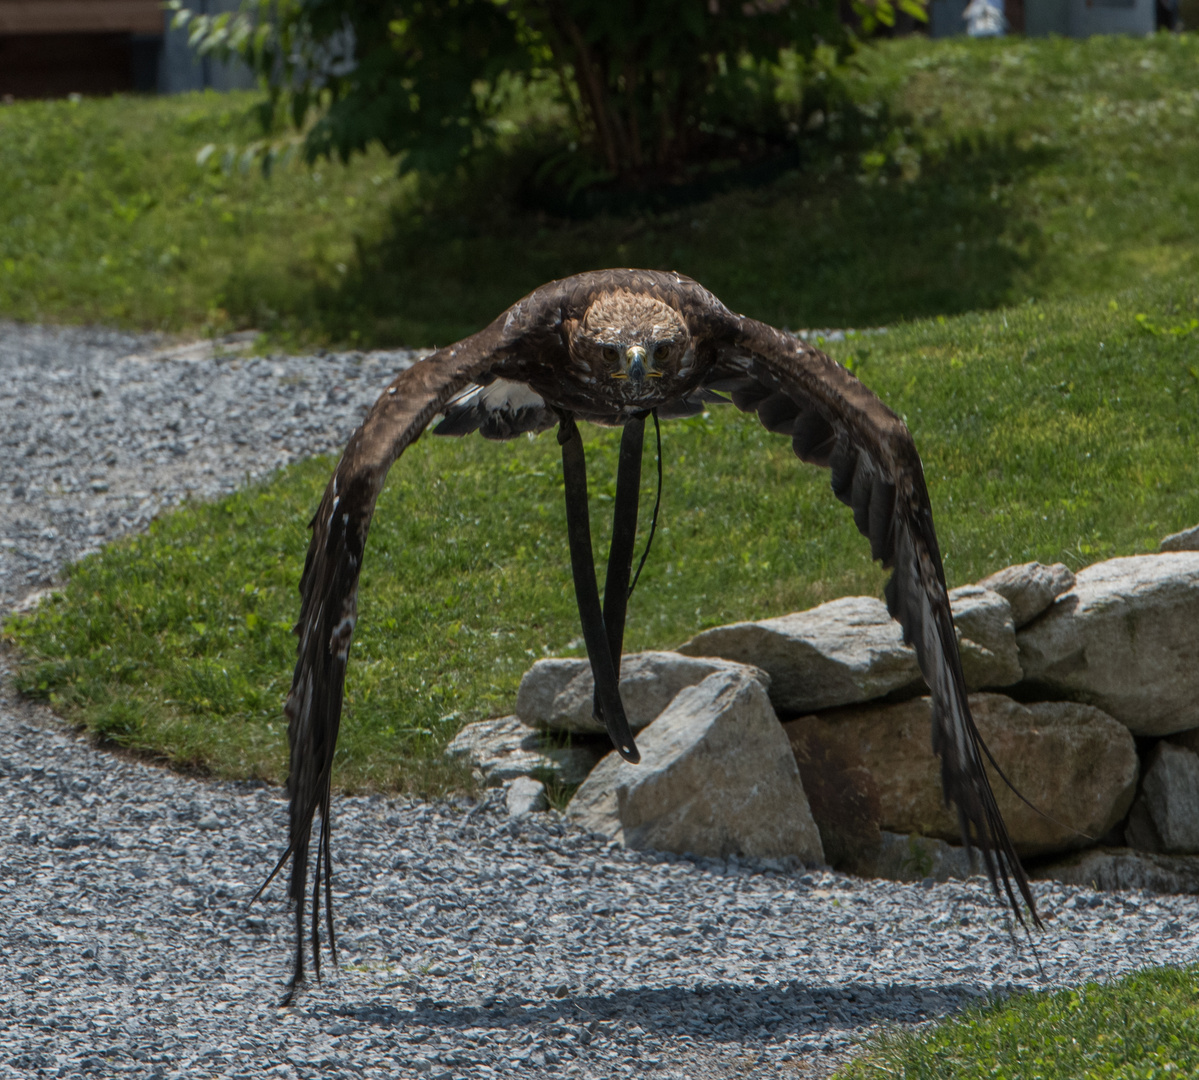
662	352
610	354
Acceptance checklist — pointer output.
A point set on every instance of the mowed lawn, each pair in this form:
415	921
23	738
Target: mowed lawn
942	178
1023	214
1144	1026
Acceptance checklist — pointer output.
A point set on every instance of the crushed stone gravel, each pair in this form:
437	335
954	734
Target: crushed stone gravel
100	431
472	944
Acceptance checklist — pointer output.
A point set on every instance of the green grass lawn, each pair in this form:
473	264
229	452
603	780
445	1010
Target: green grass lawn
994	171
106	216
1066	430
1142	1027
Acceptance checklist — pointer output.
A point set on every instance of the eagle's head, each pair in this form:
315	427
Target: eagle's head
634	337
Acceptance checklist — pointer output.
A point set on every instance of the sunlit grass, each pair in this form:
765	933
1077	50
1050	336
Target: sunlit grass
1142	1027
1062	431
996	171
105	214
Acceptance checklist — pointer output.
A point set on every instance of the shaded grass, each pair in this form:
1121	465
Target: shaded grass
992	172
1142	1027
813	249
1057	431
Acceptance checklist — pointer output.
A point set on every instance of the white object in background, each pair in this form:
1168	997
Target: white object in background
984	19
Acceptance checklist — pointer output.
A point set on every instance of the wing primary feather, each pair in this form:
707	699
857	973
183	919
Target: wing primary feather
842	463
861	492
462	422
733	383
273	874
291	847
681	408
923	610
778	412
876	471
882	513
327	847
316	913
814	438
746	398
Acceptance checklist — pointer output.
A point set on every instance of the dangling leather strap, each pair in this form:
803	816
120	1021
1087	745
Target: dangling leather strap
582	566
624	537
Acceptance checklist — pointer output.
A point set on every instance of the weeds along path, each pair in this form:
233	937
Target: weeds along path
471	945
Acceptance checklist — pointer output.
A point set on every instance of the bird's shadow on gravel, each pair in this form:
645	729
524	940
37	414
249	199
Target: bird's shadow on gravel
719	1011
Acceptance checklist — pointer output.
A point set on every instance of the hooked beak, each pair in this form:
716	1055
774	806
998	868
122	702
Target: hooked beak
635	361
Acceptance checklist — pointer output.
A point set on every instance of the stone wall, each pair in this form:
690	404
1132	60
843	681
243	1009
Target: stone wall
808	735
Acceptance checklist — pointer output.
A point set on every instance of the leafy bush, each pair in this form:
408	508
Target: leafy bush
655	89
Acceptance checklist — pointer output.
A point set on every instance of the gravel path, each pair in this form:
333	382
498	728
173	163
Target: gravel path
99	431
471	945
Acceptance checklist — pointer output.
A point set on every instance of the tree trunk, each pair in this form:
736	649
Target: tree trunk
634	128
591	86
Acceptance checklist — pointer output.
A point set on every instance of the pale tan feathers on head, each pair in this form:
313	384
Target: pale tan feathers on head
628	317
619	320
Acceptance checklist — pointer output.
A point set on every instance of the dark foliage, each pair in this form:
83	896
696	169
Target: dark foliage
657	91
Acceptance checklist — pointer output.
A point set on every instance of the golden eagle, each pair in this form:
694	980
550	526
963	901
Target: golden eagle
612	347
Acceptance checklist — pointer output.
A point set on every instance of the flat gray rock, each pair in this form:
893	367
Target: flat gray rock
716	778
1187	540
525	796
557	694
839	653
851	650
1030	588
1126	639
987	637
1073	762
1166	815
504	749
1121	869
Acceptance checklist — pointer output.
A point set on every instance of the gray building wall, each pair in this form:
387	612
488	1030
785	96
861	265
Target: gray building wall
945	18
180	68
1069	18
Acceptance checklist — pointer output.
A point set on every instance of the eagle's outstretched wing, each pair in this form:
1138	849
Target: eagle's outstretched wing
510	378
488	382
834	421
525	334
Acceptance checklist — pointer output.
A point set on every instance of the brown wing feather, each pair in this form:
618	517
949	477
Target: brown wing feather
329	585
835	421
